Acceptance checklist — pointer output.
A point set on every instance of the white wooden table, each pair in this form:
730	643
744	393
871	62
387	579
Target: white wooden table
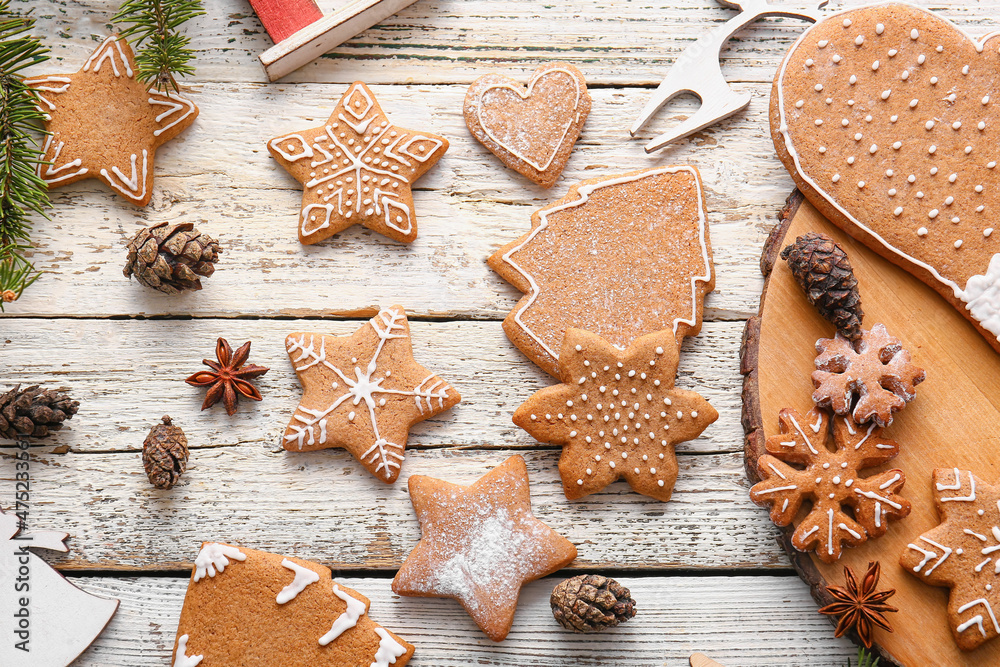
705	568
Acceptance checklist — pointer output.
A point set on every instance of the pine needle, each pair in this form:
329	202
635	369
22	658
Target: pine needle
865	659
22	191
161	51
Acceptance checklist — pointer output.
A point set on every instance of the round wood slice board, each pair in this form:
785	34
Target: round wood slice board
953	422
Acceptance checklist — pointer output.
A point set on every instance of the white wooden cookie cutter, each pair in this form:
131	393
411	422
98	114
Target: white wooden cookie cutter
697	70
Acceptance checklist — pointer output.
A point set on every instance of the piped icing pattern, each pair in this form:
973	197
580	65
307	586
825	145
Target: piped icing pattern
891	119
963	554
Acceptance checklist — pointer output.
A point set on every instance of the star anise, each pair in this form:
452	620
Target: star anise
860	609
229	378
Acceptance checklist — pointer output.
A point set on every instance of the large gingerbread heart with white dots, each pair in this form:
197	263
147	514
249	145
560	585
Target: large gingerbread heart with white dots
888	118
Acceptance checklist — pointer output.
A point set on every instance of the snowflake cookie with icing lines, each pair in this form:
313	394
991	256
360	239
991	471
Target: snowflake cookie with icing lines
886	118
531	129
800	467
616	414
238	595
620	256
963	554
480	544
105	124
363	392
357	168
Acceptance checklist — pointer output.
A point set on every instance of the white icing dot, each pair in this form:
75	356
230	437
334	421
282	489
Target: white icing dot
897	145
798	105
892	192
921	59
579	482
822	149
819	121
968	149
913	102
857	137
965	70
850	160
934	171
979	188
659	482
836	177
847	23
986	100
929	125
898	211
853	80
885	95
879	28
987	232
919	195
956	125
906	73
979	209
836	58
850	103
809	62
933	213
949	201
845	122
932	149
822	43
861	185
956	220
875	66
914	34
859	40
934	80
911	178
819	87
892	52
982	125
958	244
922	231
868	118
990	165
953	178
872	149
939	48
889	173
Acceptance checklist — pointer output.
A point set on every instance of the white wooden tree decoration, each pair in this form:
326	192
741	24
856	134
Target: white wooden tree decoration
302	33
697	71
47	621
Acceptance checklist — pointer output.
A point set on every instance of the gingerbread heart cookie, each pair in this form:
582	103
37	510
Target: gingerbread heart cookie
531	129
885	116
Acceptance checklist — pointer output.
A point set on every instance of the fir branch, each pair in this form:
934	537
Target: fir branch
22	191
865	659
161	51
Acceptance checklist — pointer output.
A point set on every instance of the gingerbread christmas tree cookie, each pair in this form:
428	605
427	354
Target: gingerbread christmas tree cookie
620	256
105	124
800	467
479	544
616	414
363	392
963	554
885	116
247	607
357	168
531	129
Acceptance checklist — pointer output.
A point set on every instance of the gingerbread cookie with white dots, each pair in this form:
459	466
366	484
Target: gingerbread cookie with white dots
357	168
616	414
886	118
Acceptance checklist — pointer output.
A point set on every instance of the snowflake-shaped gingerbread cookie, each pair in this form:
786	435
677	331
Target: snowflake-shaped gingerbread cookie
963	553
357	168
616	414
829	480
363	392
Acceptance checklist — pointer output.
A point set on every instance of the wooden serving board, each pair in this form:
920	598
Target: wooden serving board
954	421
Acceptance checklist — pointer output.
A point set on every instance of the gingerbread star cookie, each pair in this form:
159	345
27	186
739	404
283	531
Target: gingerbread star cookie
799	467
105	124
480	544
963	554
531	129
248	607
357	168
363	392
616	414
620	256
886	117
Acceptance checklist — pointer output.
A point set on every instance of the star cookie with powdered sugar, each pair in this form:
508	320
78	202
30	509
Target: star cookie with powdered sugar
616	414
105	124
480	544
963	554
357	168
363	392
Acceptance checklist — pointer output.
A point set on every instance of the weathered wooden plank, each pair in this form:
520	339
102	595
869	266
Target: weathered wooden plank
324	506
218	176
446	41
127	373
738	621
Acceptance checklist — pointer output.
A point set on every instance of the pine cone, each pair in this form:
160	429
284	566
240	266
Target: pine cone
165	454
824	273
34	411
170	258
591	603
